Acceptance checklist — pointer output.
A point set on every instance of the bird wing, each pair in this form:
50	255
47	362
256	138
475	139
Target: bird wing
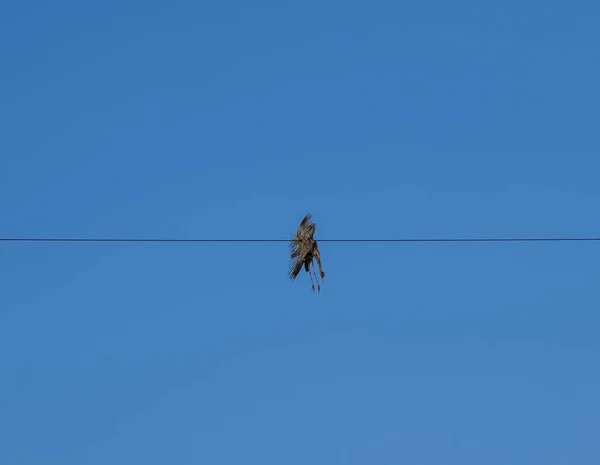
306	220
297	257
307	227
301	246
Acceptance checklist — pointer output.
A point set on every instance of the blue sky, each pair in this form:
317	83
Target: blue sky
384	120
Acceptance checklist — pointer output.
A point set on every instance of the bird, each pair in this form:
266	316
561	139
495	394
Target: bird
304	249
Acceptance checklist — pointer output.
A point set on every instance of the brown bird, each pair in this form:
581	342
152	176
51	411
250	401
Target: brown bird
304	249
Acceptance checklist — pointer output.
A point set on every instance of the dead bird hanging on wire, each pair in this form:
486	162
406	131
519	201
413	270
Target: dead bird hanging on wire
304	250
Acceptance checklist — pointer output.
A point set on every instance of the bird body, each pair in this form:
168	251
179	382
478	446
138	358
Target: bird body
304	250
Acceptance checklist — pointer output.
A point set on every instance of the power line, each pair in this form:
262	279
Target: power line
173	240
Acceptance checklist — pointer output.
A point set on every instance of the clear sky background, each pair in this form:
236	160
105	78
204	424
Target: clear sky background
232	120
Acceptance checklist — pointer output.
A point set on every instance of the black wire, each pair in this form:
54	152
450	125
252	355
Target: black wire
505	239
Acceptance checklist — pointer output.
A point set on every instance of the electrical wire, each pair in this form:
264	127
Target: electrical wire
173	240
